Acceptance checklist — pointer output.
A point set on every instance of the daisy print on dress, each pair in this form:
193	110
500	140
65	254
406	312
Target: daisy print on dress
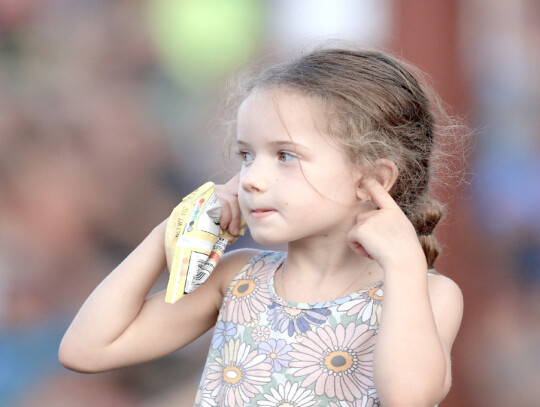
223	332
371	399
248	295
238	375
367	306
288	395
276	353
260	333
295	320
203	398
339	363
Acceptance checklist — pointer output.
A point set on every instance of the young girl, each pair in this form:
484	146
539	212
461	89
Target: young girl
336	153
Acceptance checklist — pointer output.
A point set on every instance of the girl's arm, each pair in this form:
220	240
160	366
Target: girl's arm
119	326
419	322
420	314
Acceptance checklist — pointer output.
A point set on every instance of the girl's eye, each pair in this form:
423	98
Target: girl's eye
245	156
287	157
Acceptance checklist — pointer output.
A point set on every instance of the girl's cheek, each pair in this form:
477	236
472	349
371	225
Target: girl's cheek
241	204
244	213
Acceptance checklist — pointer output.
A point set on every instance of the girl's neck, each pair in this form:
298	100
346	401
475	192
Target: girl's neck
322	256
320	262
319	272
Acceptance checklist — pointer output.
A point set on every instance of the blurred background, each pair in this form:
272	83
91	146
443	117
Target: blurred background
109	114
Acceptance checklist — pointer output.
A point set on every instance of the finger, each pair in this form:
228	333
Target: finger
378	194
233	182
234	224
226	216
359	249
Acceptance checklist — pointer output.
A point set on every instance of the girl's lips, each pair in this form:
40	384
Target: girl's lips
261	213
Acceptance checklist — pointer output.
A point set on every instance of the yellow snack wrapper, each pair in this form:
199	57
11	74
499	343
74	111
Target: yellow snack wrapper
194	241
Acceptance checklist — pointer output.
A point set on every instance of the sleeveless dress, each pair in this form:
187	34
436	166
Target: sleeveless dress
266	351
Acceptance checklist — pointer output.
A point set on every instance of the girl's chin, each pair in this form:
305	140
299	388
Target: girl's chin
264	239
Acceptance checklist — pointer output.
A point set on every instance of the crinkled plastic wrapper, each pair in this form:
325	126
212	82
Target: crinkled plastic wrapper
194	241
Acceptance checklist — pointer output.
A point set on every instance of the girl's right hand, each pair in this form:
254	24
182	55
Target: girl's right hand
230	211
385	234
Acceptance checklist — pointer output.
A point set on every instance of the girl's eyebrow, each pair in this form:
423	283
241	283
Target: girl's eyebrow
278	143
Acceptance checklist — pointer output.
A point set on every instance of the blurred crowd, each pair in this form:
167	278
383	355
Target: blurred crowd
85	173
109	115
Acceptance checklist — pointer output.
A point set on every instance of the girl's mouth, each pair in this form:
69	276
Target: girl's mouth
262	213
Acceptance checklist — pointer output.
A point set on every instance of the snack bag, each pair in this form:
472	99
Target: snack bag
194	241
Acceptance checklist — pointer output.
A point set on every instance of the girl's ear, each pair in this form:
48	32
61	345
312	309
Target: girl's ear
385	172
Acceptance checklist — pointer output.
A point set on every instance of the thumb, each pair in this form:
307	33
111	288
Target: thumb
359	249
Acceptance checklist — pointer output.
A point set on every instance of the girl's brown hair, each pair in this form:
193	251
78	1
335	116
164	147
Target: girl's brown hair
375	108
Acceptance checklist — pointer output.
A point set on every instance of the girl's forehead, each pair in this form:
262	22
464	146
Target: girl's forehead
279	98
279	111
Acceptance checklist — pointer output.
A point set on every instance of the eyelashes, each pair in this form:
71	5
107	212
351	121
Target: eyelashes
245	156
287	156
283	156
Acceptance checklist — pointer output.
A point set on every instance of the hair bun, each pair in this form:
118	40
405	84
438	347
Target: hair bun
428	215
430	212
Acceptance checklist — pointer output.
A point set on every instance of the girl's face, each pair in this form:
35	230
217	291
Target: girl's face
294	183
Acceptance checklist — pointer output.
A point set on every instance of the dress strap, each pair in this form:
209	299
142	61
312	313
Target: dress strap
268	258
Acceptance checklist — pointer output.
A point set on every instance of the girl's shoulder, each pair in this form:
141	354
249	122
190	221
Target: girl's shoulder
441	285
235	262
446	301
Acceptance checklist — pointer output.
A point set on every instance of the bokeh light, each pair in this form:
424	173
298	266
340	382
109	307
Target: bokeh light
201	41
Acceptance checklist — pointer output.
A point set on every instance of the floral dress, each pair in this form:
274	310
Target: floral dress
266	351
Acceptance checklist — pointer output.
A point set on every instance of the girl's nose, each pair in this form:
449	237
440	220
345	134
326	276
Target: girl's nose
253	178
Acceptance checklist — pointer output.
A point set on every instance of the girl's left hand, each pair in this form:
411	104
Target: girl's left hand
385	234
230	210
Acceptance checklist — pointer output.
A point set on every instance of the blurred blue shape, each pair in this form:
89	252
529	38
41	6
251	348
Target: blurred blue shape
27	355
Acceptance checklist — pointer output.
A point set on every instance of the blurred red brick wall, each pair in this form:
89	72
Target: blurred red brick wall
427	34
